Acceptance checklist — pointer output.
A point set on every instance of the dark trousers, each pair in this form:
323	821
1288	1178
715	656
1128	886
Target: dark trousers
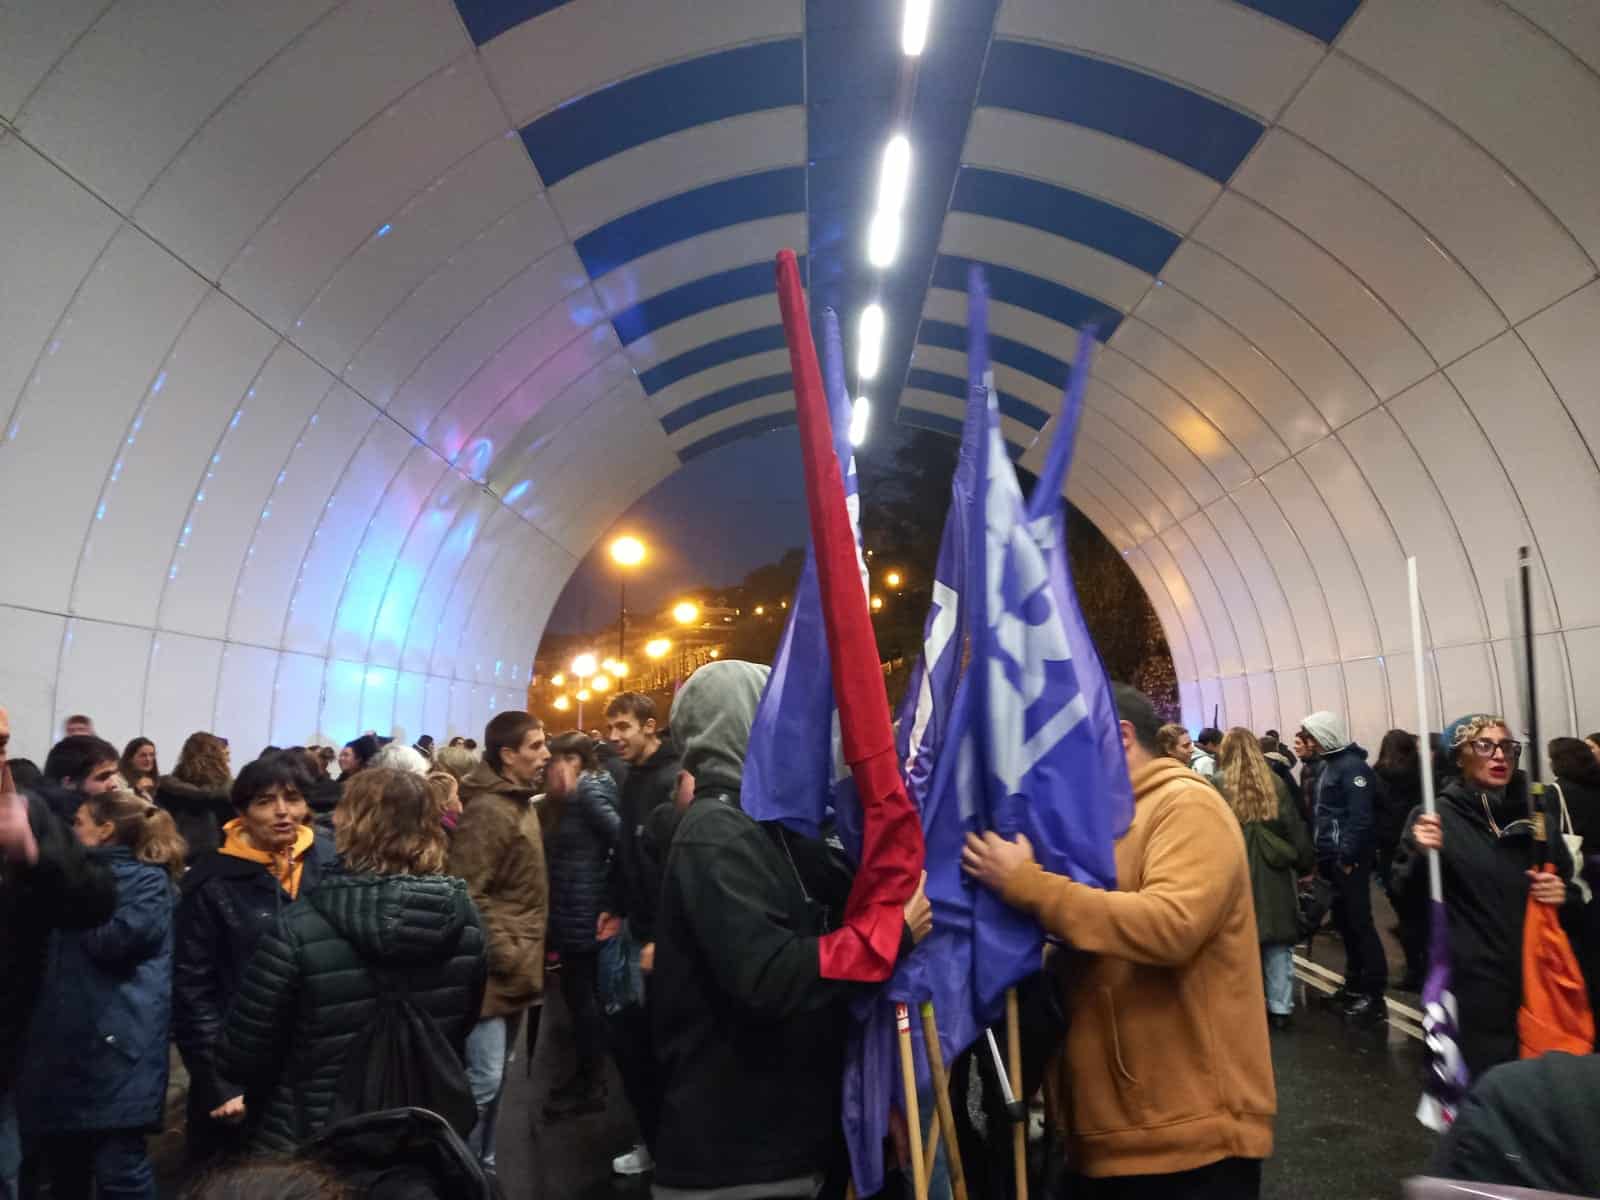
580	988
635	1056
108	1164
1230	1179
1365	969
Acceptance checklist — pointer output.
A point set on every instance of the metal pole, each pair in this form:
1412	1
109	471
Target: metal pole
1435	880
622	619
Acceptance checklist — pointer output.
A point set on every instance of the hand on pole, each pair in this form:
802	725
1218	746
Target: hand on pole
919	912
1547	888
1428	832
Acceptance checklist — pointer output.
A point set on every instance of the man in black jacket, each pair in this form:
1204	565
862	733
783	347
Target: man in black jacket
646	809
46	882
1342	798
77	766
749	1035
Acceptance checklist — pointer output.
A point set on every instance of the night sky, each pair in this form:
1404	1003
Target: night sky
718	517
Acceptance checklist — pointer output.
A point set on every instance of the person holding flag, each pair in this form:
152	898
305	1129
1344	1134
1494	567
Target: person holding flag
1166	1078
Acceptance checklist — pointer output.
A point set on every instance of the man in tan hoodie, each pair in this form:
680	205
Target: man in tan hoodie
1164	1087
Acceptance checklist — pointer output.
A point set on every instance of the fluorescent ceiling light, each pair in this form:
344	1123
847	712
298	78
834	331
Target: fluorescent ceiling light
914	27
869	341
860	414
894	175
883	239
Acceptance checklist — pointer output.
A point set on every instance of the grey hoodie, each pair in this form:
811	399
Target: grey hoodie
711	717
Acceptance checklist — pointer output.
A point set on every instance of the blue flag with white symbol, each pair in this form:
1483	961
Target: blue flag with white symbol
793	772
1048	755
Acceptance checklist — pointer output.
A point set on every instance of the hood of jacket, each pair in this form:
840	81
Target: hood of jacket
395	919
1156	774
1328	730
711	719
484	778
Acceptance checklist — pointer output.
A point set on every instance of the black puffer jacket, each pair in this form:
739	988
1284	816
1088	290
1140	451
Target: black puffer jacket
199	813
62	890
583	832
227	905
308	992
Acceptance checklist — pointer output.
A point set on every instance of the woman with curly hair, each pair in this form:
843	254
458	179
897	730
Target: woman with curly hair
389	917
196	793
138	767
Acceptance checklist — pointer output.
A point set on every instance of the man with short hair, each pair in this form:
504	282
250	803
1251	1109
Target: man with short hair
646	810
1166	1076
1343	829
46	883
1203	758
78	766
77	725
499	851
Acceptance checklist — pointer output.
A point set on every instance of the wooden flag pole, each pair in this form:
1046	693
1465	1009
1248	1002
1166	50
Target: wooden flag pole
908	1078
941	1099
1019	1135
931	1154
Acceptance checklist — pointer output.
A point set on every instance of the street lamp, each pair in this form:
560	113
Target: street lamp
619	669
657	648
601	683
892	579
627	552
686	612
558	680
877	603
561	704
760	610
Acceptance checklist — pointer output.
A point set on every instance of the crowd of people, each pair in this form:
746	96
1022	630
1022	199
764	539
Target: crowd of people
315	944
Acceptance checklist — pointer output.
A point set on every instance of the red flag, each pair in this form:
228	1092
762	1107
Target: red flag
865	947
1555	1003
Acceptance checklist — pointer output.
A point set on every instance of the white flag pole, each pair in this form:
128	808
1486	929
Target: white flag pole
1425	749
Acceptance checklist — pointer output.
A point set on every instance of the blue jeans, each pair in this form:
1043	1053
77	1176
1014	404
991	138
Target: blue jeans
488	1047
10	1148
1277	969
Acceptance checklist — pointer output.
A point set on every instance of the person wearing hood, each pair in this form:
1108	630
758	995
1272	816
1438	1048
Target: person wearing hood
312	987
1342	796
1485	837
498	850
749	1036
197	792
1281	763
95	1068
269	860
1165	1077
77	766
47	883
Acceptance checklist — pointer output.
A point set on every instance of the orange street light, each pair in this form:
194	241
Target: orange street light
657	648
627	551
558	680
583	695
892	579
619	669
761	610
584	666
877	603
685	612
561	704
601	683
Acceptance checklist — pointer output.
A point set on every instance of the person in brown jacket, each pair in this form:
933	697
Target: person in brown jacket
1165	1083
498	851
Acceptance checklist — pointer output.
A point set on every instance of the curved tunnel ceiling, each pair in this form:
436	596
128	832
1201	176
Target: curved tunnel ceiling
321	320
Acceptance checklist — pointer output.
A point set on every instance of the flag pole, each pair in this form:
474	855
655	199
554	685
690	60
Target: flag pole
908	1078
1429	804
1019	1131
941	1100
1530	701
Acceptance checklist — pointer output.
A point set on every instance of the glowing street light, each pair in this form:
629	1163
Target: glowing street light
627	551
892	579
685	612
657	648
583	695
877	603
584	666
601	683
716	654
761	610
561	704
558	680
619	670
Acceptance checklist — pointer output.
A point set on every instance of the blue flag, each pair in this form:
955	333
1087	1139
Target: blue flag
793	770
1049	761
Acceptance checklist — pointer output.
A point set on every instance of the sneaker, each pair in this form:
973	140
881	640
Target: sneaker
635	1162
1343	997
1366	1011
1282	1022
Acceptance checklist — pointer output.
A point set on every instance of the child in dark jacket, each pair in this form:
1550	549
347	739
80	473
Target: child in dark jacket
95	1065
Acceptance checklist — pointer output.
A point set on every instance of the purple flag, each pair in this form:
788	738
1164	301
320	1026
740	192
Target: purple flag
1446	1083
793	772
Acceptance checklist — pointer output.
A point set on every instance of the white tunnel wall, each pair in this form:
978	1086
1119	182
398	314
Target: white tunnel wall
307	385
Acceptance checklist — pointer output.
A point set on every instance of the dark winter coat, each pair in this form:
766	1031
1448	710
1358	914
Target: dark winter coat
1398	792
1279	852
1342	799
227	905
64	889
583	833
749	1037
612	763
199	813
97	1049
309	991
498	850
641	851
1486	899
1582	921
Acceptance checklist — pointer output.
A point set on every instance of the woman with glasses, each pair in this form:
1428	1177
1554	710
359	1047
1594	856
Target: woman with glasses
1488	853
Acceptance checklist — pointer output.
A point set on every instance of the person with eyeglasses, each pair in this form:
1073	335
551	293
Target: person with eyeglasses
1485	837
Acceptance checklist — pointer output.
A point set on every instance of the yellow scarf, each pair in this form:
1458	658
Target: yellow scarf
286	868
